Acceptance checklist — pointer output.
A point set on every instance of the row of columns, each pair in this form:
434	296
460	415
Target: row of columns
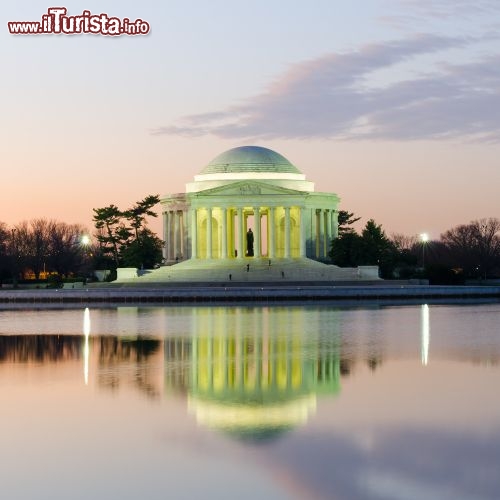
324	229
175	235
240	243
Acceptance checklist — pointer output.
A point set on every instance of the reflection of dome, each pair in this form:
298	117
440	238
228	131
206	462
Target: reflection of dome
249	159
253	422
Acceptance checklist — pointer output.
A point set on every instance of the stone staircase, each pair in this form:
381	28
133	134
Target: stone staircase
259	270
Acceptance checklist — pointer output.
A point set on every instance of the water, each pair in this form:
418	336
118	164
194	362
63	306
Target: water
243	403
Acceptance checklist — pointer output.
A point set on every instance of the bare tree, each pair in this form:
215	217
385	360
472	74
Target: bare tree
404	242
65	249
475	247
4	252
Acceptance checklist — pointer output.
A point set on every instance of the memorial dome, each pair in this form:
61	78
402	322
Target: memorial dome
249	159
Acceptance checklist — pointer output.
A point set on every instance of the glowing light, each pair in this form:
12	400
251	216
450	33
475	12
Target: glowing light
85	240
424	237
425	333
86	348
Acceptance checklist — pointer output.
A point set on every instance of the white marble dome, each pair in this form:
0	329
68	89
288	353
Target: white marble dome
246	159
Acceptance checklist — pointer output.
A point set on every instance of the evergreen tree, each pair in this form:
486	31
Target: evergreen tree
123	235
110	234
345	221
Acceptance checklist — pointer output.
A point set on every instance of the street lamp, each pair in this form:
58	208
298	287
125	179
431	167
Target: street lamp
424	238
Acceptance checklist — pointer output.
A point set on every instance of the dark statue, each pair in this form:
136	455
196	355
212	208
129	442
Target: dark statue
249	243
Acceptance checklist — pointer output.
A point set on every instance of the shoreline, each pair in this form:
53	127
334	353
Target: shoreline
239	293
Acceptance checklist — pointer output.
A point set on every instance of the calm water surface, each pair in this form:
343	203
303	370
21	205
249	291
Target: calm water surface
244	403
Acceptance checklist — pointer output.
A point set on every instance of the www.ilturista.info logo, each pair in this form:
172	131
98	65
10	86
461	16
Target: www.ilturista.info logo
56	22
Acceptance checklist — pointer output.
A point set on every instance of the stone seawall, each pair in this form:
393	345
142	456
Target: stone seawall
239	294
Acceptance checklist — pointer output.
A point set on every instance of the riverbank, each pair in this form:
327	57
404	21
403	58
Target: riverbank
238	293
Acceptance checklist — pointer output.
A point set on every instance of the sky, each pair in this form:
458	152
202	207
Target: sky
392	104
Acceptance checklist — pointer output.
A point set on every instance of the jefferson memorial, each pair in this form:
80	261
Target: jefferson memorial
249	202
249	215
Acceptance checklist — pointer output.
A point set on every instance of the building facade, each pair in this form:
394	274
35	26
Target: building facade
249	202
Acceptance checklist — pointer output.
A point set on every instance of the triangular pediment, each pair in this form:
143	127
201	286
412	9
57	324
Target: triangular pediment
248	188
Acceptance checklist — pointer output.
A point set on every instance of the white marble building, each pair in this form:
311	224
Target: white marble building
246	188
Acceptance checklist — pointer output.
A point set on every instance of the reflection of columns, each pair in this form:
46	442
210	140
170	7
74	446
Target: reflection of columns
302	229
240	233
176	235
194	234
209	233
224	232
287	232
256	218
270	227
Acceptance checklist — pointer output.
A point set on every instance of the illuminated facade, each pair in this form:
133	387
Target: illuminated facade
249	188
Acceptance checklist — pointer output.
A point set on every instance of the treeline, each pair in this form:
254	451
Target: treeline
467	251
41	247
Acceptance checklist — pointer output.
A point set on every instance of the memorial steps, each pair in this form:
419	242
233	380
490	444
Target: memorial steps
224	270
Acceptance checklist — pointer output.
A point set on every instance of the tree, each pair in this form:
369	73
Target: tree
124	235
403	242
371	248
378	249
475	247
345	221
66	254
143	252
346	249
138	213
110	232
4	252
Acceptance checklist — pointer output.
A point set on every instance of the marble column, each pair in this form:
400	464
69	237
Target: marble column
328	231
194	234
257	221
165	222
287	232
169	236
176	235
312	235
321	233
335	224
184	231
302	228
271	244
209	233
240	248
224	233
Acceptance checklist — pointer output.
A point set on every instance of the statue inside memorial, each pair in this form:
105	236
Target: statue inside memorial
249	243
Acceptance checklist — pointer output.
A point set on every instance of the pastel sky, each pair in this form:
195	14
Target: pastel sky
392	104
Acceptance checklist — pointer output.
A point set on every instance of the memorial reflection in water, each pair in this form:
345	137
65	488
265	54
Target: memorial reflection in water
255	378
249	371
